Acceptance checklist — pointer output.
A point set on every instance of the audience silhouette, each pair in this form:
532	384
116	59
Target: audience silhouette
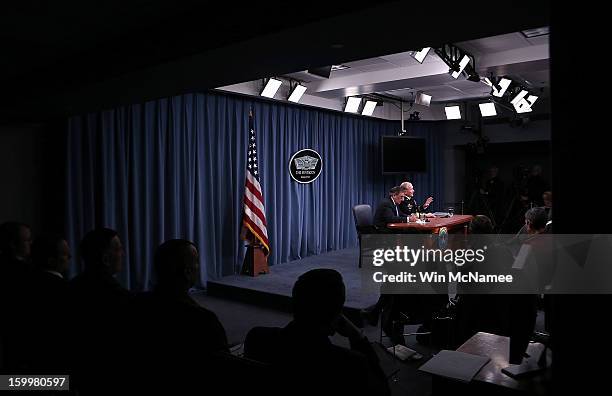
47	297
15	252
179	339
107	338
102	316
303	355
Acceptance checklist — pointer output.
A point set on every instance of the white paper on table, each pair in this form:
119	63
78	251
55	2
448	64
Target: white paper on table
456	365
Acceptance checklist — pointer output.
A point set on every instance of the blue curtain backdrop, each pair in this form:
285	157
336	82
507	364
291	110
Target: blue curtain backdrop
175	168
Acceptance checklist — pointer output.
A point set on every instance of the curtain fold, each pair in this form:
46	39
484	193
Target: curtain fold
175	168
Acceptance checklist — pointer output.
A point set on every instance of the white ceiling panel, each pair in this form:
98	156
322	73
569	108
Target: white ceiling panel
365	62
500	43
400	75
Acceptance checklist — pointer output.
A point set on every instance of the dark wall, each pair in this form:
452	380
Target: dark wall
515	161
21	174
32	175
508	156
581	162
527	140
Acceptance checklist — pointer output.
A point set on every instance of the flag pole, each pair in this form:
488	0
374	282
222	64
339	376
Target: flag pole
254	225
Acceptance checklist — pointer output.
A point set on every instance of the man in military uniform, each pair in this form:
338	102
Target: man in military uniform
409	205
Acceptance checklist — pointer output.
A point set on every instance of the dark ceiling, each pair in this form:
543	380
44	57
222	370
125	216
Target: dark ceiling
66	57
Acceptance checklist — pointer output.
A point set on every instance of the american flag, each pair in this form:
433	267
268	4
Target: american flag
254	216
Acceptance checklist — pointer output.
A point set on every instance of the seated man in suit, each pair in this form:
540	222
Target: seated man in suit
180	338
388	210
302	352
51	258
48	296
177	265
15	242
15	249
103	311
409	205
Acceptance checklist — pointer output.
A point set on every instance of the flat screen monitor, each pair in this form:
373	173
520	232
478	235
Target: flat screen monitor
403	154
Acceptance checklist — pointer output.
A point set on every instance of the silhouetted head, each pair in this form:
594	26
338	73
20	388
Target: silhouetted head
51	252
101	249
15	240
493	171
536	219
177	264
318	298
481	224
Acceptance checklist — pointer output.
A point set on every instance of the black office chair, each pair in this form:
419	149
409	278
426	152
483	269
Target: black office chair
363	223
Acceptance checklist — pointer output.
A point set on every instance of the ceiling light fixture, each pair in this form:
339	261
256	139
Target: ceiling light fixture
297	93
420	54
423	99
272	85
522	104
471	74
339	67
499	88
458	60
352	104
452	112
464	62
487	109
368	108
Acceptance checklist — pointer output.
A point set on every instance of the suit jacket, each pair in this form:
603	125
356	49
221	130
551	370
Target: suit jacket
410	206
49	329
177	341
388	212
104	314
195	330
309	363
15	333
